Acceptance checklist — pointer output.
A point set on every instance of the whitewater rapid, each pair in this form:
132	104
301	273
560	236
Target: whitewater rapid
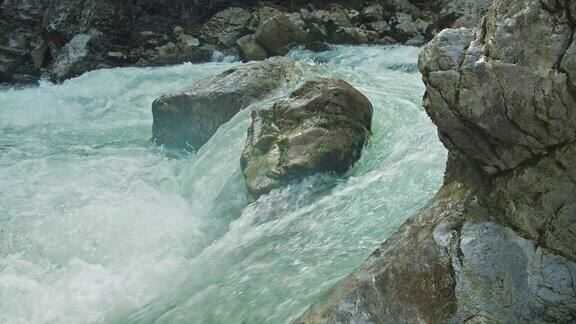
97	225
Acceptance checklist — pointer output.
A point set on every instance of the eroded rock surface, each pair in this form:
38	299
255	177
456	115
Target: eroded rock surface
498	243
190	117
321	127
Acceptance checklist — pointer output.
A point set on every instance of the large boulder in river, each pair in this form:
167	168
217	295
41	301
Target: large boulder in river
279	34
188	118
83	53
321	127
497	244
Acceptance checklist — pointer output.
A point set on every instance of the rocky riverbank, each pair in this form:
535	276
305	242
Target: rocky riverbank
498	242
63	38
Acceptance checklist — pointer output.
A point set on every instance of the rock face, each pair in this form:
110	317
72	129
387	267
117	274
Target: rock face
190	117
321	127
83	53
21	40
497	242
67	18
140	32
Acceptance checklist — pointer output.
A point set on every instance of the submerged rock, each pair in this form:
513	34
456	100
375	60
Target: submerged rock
497	243
83	53
188	118
321	127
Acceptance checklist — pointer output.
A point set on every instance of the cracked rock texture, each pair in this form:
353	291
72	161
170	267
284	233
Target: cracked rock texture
498	242
189	118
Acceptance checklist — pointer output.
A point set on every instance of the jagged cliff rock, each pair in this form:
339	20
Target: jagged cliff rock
188	118
65	19
498	243
321	127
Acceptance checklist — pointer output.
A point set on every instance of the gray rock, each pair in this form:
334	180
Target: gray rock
353	35
321	127
188	41
279	34
250	50
262	15
477	101
373	13
467	12
171	53
381	27
405	27
226	27
296	18
317	46
418	40
188	118
67	18
39	53
22	53
83	53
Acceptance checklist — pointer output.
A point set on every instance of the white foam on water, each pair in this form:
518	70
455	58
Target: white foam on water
99	226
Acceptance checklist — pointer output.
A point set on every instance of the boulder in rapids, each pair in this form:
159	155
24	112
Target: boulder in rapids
188	118
83	53
321	127
279	34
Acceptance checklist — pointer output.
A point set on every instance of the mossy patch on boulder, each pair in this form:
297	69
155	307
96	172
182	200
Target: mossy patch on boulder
321	127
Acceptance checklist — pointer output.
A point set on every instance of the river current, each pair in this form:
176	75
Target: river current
97	225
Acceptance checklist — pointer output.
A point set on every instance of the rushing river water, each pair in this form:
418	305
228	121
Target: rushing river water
99	226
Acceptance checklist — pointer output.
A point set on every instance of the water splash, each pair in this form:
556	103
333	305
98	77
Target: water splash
97	225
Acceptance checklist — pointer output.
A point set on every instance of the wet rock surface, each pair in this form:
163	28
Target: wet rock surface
187	119
83	53
497	242
321	127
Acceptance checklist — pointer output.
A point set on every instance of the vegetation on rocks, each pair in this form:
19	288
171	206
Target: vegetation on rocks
321	127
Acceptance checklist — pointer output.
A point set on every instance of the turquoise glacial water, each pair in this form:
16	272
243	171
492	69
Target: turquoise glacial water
99	226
